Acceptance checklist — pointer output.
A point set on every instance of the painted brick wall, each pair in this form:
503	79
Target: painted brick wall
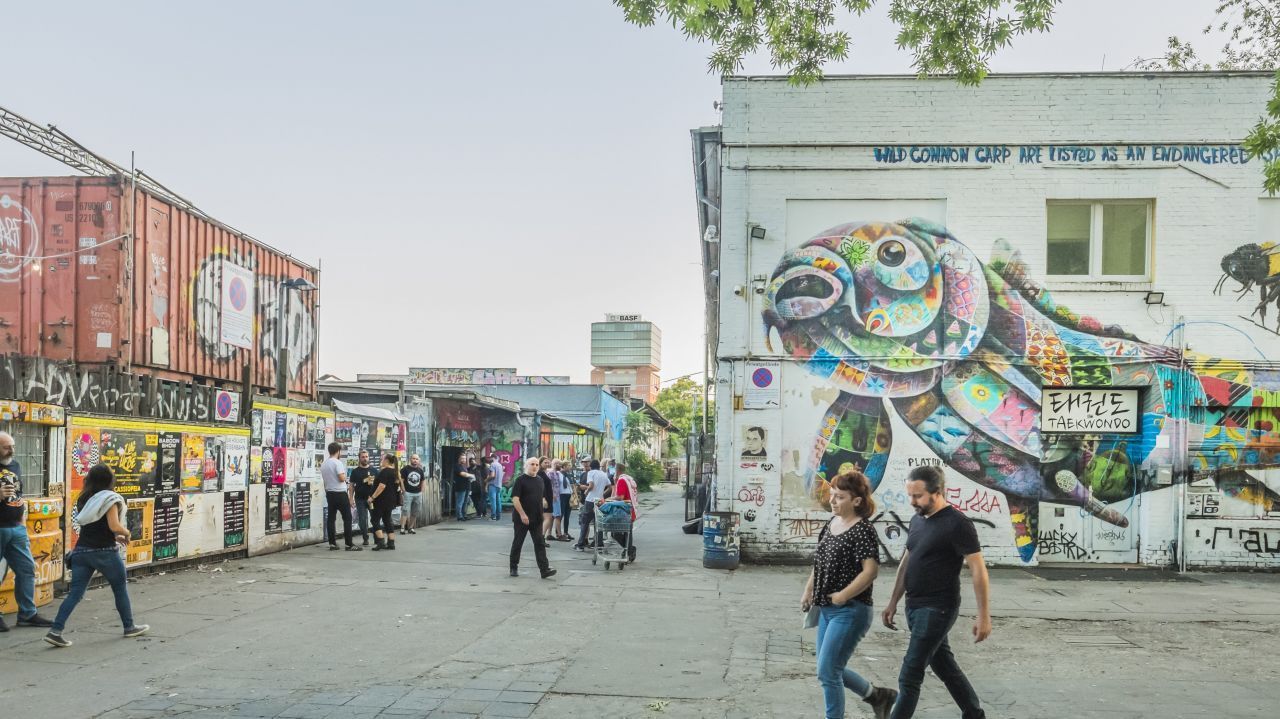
787	146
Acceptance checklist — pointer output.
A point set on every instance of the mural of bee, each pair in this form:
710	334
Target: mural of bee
1250	265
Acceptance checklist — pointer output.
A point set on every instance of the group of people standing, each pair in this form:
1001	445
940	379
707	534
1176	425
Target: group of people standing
940	540
373	494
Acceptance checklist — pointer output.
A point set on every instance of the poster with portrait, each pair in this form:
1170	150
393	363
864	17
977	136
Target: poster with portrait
235	459
758	444
211	472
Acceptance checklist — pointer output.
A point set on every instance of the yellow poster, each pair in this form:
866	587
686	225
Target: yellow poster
140	527
192	462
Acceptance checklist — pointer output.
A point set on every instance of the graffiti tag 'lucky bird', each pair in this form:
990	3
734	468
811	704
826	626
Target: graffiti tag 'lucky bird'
905	312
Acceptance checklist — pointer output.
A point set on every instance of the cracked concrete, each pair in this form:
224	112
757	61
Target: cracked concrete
437	629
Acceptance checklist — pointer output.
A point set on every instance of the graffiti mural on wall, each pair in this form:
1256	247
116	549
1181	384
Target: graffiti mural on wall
1254	265
905	314
206	298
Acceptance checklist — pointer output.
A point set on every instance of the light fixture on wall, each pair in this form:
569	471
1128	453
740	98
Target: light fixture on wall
1154	298
756	231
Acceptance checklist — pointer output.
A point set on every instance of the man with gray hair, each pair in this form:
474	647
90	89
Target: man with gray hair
15	545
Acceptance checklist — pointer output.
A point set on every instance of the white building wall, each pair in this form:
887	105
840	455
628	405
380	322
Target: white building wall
800	160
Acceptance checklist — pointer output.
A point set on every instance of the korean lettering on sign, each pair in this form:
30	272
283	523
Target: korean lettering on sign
1091	410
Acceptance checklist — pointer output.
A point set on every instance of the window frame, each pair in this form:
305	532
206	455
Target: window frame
1096	238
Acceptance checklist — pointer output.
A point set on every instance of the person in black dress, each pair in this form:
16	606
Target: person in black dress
385	498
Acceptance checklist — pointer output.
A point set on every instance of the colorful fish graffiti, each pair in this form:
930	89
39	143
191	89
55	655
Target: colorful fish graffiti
905	313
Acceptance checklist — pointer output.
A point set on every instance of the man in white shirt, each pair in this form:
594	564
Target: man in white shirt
594	486
339	495
495	489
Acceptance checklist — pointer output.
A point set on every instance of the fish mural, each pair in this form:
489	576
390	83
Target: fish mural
904	315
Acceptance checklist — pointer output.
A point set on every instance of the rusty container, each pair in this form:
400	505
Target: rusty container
97	271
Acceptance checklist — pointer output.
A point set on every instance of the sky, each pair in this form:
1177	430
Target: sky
479	181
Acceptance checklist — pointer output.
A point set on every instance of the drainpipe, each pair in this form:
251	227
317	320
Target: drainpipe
1182	461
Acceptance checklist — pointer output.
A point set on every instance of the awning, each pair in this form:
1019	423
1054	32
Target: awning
368	411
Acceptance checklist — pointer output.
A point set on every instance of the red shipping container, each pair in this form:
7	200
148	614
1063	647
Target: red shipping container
94	271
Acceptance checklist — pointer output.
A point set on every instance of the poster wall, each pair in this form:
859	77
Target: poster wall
281	459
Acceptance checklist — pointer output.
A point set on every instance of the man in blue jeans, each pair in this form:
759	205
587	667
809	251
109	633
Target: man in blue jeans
461	489
495	488
15	545
939	541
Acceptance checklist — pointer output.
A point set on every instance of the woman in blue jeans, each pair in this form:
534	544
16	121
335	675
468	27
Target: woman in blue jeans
99	519
844	567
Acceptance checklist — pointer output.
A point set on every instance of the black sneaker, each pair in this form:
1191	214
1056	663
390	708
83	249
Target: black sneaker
353	548
56	640
411	532
549	573
333	547
35	620
515	572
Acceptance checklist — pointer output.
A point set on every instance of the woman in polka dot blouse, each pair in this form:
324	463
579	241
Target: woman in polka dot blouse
844	567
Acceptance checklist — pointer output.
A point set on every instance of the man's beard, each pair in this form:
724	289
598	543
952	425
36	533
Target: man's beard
922	511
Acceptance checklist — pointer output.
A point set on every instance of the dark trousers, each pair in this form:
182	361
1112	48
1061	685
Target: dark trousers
339	503
566	508
362	517
522	530
929	648
586	518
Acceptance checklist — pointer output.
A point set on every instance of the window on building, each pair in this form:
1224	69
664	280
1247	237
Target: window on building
1099	240
30	448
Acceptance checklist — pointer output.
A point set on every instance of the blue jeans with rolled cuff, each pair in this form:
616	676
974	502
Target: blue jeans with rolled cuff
929	649
15	548
839	631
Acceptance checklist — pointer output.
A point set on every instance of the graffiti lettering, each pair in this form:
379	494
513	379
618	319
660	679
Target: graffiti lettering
923	462
1254	541
749	495
977	501
103	390
802	529
470	375
1041	154
1057	542
16	253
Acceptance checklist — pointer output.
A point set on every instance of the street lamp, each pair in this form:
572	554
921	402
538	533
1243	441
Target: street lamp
300	284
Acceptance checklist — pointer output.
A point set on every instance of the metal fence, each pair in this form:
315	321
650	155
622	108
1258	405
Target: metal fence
699	475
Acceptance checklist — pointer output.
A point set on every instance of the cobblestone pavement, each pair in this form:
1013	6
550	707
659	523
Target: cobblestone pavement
438	629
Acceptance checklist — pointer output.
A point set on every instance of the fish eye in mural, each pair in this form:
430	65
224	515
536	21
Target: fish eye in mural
904	314
1250	265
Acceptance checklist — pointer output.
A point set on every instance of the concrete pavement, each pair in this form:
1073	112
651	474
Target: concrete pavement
437	629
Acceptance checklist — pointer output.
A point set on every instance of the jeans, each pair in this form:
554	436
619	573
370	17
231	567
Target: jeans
339	503
460	503
929	648
15	548
839	631
495	502
362	517
539	542
83	563
566	508
586	518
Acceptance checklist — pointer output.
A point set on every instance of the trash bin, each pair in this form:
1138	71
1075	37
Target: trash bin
720	540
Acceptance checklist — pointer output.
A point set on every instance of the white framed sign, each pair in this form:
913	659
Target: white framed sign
1091	410
764	386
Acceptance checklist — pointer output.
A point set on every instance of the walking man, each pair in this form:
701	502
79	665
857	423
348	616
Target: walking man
338	495
597	482
495	489
362	483
528	503
461	488
412	475
939	541
15	545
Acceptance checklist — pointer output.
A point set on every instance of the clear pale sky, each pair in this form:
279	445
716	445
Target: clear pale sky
479	180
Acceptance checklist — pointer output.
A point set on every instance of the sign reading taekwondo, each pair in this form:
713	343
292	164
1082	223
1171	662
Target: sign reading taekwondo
1094	410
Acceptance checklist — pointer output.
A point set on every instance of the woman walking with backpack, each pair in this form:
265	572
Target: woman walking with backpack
839	587
99	519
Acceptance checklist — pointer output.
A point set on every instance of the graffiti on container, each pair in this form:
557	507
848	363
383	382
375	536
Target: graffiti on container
1061	543
1254	541
751	495
19	239
206	299
103	390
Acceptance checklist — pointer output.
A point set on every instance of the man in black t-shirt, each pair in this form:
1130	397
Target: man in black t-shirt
15	545
940	540
363	479
461	489
412	475
527	496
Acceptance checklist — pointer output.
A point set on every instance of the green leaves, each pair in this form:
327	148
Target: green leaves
947	36
1265	138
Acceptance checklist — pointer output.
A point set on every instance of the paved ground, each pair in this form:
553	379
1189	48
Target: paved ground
437	629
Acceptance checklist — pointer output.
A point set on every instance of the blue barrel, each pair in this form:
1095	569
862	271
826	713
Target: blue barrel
720	540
